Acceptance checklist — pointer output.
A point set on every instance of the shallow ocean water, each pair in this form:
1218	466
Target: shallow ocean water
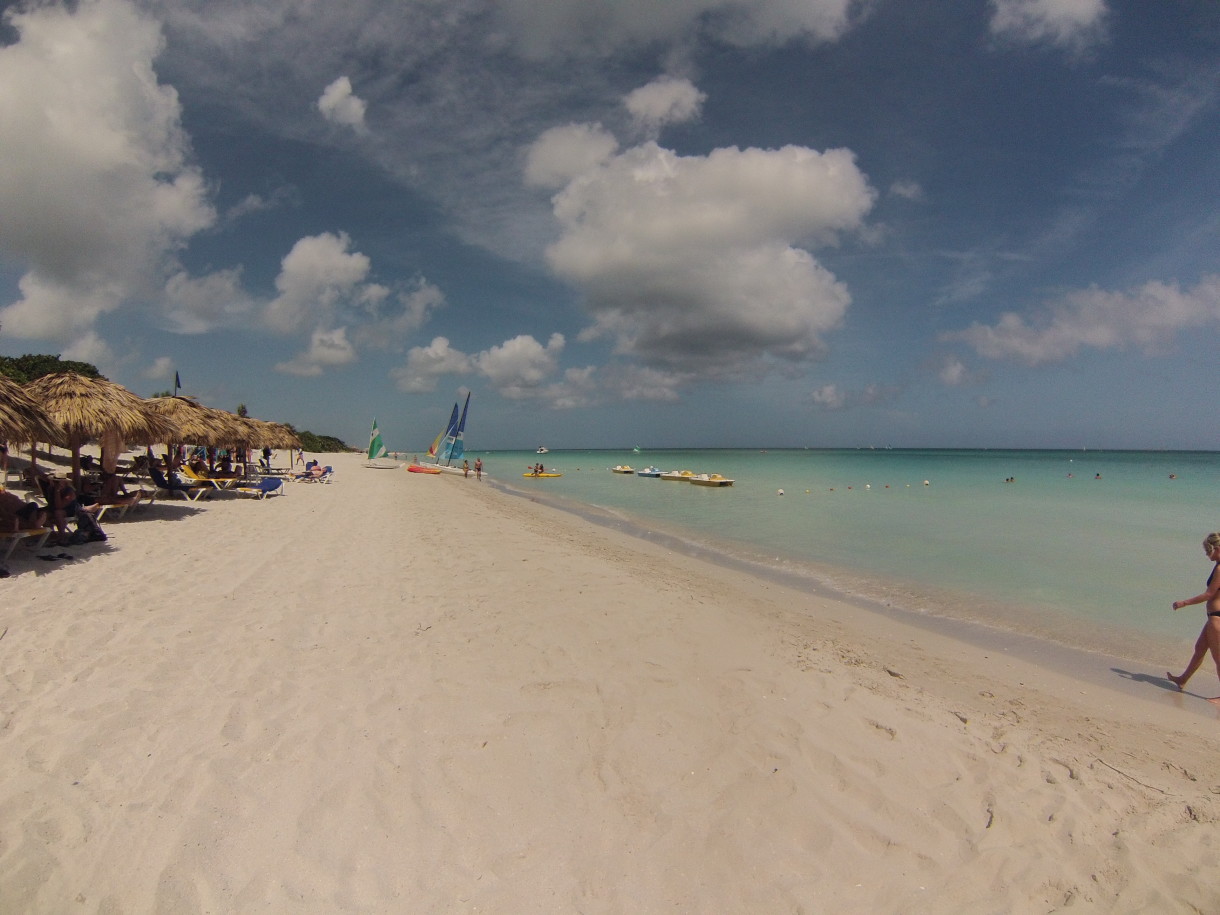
1084	547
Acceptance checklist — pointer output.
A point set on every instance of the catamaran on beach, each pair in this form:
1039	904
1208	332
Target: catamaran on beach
447	447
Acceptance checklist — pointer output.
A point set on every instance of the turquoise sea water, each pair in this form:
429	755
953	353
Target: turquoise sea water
1083	547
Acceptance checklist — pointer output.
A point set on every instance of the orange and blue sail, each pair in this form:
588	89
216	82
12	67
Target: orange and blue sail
434	448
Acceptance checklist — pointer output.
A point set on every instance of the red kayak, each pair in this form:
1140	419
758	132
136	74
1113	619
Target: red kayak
416	468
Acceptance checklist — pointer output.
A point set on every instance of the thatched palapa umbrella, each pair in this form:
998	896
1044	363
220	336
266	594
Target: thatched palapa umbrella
200	425
22	419
259	433
280	435
92	408
194	423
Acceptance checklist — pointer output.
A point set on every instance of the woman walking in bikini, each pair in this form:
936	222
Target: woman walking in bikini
1209	638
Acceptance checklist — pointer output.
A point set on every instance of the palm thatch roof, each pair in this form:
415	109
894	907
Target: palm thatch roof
89	408
193	422
200	425
21	417
281	435
263	434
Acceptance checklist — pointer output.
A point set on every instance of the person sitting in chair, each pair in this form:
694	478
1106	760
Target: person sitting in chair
113	491
62	504
161	481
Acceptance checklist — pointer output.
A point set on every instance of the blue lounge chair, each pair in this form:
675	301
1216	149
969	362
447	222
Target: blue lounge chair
165	485
262	489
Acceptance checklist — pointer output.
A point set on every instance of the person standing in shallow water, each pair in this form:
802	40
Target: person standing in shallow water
1209	638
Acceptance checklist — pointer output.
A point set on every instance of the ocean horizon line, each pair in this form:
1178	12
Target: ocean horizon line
839	448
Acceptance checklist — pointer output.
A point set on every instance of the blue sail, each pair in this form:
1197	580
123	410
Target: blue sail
458	447
440	447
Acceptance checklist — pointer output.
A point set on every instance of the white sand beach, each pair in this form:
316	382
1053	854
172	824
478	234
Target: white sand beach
409	693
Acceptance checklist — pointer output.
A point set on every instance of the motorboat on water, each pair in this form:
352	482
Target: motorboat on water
543	449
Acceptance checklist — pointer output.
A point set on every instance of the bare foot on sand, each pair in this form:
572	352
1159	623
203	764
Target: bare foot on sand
1179	682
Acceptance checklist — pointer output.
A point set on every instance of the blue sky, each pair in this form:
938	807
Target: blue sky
619	222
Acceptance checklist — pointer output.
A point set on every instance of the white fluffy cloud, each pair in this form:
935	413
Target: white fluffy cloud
518	367
327	349
194	305
665	100
1148	317
1072	24
340	106
427	364
700	263
160	369
316	276
388	317
323	290
97	188
952	371
562	153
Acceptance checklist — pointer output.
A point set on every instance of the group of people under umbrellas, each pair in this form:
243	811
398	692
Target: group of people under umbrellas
70	410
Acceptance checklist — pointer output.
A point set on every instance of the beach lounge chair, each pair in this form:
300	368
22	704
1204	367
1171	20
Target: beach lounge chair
164	485
121	504
10	539
262	489
214	482
315	473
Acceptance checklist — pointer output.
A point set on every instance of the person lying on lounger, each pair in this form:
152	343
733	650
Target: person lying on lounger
19	515
313	471
111	490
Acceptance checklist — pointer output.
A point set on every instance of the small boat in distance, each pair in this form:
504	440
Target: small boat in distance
649	472
711	479
622	468
680	476
543	449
